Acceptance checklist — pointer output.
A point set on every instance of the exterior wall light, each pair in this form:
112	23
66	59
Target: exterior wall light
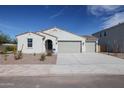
43	38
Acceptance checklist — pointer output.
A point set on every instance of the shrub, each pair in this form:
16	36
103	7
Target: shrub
14	50
5	49
49	53
9	48
5	57
18	55
34	54
0	49
43	57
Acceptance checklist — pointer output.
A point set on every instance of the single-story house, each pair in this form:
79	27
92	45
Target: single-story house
55	39
111	39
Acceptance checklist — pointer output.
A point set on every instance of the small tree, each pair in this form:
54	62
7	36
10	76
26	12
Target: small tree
14	41
18	55
4	38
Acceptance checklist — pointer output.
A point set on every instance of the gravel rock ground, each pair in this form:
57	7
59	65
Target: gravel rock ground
28	59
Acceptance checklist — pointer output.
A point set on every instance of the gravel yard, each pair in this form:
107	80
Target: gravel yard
28	59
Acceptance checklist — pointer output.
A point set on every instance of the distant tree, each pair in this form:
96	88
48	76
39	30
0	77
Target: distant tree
14	41
4	38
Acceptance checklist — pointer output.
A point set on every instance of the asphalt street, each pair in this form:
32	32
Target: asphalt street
65	81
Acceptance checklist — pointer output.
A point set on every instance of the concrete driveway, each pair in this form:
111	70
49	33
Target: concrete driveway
91	63
87	59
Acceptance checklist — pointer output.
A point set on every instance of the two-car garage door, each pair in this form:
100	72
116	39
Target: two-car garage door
69	46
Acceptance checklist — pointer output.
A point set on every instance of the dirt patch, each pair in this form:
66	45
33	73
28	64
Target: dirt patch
28	59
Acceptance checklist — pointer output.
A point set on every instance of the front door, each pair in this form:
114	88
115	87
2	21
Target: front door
48	45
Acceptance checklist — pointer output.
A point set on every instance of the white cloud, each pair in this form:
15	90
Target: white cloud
111	15
99	10
113	20
58	13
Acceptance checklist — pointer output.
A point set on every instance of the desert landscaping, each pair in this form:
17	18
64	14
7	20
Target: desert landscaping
27	59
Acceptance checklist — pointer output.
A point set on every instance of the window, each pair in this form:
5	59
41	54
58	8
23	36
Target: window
30	40
104	33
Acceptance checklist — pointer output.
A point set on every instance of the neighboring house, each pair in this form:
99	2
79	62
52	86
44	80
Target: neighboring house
91	43
111	39
55	39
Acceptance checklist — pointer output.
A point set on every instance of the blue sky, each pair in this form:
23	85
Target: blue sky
81	20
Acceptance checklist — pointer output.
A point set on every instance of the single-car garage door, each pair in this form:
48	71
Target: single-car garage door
90	47
69	46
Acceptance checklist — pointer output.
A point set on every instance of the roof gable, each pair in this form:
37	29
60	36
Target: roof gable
46	34
31	33
62	34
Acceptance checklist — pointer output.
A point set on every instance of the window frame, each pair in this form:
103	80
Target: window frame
29	42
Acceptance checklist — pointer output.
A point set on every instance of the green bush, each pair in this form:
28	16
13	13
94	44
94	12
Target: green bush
49	53
14	50
43	57
5	57
34	54
18	55
6	49
10	48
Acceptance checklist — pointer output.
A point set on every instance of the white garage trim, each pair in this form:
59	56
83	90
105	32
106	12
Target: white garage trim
69	47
